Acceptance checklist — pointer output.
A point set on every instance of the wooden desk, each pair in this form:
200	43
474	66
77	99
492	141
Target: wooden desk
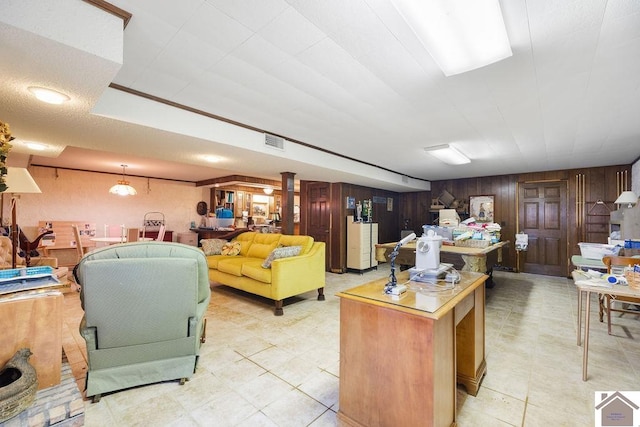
480	260
399	362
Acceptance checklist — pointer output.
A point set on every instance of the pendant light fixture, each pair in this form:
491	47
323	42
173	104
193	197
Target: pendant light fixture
122	188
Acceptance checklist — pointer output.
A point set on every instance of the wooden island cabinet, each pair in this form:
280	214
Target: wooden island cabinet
401	357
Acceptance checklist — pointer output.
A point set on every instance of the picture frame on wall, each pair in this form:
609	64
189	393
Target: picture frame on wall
482	208
351	202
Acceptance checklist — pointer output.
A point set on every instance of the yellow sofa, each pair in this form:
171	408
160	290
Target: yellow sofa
284	278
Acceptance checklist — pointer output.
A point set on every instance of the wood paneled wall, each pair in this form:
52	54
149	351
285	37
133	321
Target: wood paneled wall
600	183
503	188
388	221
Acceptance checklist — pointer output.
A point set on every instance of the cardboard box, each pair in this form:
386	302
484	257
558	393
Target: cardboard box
34	320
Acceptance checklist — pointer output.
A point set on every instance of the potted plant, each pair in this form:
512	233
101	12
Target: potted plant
5	146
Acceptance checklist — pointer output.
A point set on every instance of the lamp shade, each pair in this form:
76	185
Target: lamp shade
122	188
627	197
19	180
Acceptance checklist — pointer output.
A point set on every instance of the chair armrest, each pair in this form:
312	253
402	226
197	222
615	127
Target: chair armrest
90	335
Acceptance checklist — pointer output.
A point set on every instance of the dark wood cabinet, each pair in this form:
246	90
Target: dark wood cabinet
209	233
168	235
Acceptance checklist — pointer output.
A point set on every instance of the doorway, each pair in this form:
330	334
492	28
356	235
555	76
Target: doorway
319	215
542	215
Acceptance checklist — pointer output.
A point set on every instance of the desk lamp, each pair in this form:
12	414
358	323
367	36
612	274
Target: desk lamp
390	287
18	181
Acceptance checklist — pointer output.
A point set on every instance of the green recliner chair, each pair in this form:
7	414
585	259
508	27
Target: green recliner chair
144	306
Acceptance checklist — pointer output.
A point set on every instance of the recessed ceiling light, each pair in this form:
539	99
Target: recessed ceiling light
211	159
49	96
36	146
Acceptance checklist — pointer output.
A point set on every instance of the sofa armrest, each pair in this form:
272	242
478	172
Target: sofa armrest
298	274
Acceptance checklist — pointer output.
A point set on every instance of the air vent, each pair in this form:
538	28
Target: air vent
273	141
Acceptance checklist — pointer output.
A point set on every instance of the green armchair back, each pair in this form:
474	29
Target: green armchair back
144	307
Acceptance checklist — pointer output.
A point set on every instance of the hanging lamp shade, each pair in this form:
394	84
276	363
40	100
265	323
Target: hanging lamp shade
122	188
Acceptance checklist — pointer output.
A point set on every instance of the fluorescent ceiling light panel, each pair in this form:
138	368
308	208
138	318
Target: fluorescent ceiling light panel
460	35
447	154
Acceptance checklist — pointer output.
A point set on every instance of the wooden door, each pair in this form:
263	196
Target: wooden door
542	214
319	215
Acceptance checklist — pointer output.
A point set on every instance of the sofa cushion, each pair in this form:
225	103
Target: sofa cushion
253	269
263	244
232	265
212	246
212	260
231	248
295	240
245	240
283	252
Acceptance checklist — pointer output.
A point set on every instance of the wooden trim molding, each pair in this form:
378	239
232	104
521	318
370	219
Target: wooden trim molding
225	181
112	9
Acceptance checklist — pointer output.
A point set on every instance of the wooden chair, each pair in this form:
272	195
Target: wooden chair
605	300
133	235
116	231
79	247
161	233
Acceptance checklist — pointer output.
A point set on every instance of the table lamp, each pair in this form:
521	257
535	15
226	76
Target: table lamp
628	198
392	286
19	181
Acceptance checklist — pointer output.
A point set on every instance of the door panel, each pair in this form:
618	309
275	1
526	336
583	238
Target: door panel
542	214
320	215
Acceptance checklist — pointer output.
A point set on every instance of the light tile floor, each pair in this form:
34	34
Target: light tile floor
257	369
